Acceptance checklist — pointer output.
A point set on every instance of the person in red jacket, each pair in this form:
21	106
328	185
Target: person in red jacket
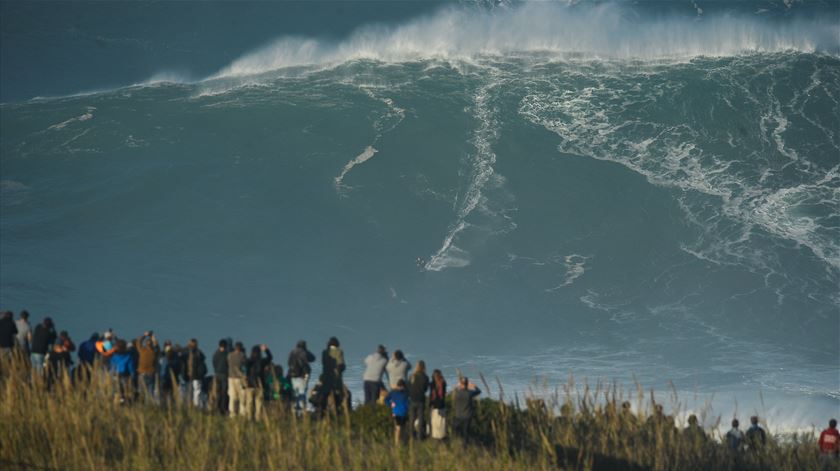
830	445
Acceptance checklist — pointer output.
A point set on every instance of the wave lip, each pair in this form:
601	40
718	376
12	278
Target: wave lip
603	31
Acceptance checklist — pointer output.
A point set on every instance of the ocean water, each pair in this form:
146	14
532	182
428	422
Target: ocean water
631	193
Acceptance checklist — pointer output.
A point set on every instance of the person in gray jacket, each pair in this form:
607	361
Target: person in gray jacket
462	403
397	368
374	369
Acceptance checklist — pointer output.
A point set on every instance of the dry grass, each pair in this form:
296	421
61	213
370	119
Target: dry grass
83	427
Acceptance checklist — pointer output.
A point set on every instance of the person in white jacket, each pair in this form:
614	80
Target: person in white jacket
374	369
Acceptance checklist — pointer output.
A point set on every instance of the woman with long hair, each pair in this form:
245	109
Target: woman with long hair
437	403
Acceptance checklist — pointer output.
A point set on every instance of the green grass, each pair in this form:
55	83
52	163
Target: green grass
83	427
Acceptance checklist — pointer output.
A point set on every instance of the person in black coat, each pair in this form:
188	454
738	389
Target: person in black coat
299	371
8	332
193	371
417	388
42	339
255	367
220	377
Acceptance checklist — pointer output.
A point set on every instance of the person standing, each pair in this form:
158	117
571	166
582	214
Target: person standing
195	369
42	339
397	368
87	351
694	434
462	402
397	400
122	365
170	371
299	371
735	437
332	360
254	367
236	380
374	369
830	446
417	400
59	363
756	436
106	347
437	404
147	360
24	332
66	341
220	377
8	334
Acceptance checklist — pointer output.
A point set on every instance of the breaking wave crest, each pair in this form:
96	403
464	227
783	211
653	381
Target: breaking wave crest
602	31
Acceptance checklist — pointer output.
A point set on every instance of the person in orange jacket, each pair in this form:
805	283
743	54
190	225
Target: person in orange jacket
106	347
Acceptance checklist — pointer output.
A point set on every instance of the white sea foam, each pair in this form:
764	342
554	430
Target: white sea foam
366	155
87	115
575	267
482	177
596	120
383	124
601	31
449	255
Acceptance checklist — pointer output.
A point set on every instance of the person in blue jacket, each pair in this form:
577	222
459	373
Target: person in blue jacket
87	350
122	365
397	400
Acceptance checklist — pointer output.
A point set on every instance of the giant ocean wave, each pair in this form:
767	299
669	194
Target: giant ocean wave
528	190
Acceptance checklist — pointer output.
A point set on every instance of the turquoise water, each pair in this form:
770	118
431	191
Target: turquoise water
586	189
